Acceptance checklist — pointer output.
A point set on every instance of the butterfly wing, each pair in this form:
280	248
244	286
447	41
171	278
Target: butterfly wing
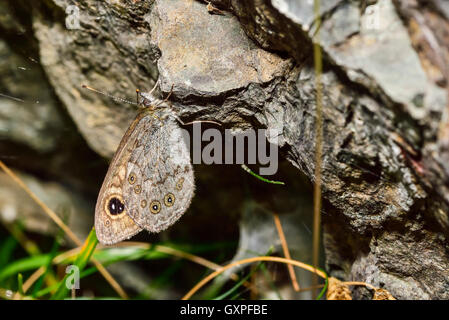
160	177
112	222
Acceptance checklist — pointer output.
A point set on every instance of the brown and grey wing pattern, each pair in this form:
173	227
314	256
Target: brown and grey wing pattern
164	183
112	222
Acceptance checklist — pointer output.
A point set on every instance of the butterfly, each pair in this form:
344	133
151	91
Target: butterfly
150	181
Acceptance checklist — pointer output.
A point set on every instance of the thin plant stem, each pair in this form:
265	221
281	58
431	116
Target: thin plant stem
181	254
284	244
319	140
214	274
244	167
115	285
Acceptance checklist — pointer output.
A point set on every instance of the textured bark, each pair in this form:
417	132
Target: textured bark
385	106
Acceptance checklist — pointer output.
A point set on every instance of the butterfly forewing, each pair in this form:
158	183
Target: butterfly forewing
112	223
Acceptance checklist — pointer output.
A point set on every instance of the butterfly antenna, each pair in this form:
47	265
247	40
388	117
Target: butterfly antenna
137	96
108	95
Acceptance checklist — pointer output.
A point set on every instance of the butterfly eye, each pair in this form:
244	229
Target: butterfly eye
143	203
137	189
169	199
115	206
155	206
132	178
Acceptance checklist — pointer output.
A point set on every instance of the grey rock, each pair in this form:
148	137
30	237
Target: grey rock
29	113
111	52
385	172
259	237
381	55
207	55
302	12
16	205
344	23
443	5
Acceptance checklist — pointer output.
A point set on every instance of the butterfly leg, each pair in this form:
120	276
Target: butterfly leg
169	94
166	98
195	121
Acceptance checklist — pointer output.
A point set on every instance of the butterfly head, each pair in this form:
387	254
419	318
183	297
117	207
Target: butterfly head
147	100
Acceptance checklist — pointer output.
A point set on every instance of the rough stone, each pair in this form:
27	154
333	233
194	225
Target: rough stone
385	173
111	52
29	112
207	55
16	205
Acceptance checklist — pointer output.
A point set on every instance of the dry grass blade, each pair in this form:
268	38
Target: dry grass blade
65	228
181	254
11	295
338	290
110	279
31	248
318	65
170	251
291	271
164	249
44	207
56	260
214	274
382	294
33	278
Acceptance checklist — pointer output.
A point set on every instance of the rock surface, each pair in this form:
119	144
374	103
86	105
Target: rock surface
207	55
29	114
16	205
385	99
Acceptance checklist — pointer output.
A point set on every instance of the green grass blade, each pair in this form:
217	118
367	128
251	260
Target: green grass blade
48	271
45	291
81	261
113	255
270	281
25	264
325	286
87	250
239	284
244	167
6	250
20	284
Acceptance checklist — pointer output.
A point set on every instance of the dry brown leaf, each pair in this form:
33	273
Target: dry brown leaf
337	290
382	294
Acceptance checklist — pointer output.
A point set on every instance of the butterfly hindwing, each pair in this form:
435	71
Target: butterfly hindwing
159	178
